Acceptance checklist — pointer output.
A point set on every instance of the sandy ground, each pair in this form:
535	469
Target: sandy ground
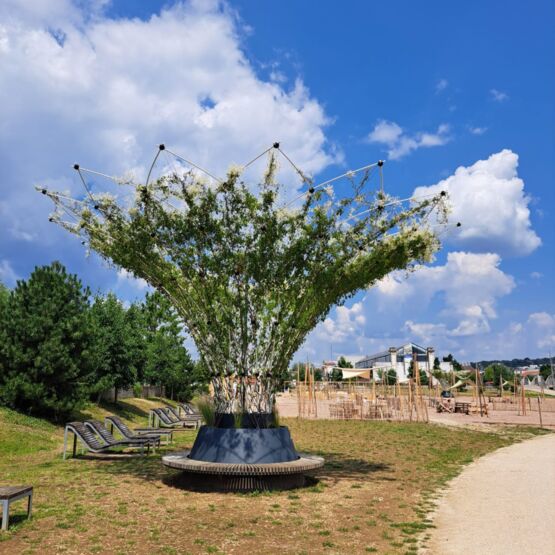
502	504
287	406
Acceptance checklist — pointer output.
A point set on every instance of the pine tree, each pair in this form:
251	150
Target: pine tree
45	343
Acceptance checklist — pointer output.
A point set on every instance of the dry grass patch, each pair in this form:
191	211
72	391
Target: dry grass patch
372	496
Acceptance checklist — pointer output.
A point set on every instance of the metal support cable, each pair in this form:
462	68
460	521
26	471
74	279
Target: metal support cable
195	166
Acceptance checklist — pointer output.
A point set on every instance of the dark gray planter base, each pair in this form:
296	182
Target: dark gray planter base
244	445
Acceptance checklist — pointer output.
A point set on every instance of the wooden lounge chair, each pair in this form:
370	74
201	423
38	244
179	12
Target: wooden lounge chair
116	422
173	414
98	428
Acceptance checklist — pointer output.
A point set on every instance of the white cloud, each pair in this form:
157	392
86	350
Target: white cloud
536	275
127	277
347	322
400	144
79	87
488	199
498	96
477	130
469	284
441	85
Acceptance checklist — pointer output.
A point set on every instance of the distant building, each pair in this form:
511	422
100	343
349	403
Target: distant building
399	358
532	370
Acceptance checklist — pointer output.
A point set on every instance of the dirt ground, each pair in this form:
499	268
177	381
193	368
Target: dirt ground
287	406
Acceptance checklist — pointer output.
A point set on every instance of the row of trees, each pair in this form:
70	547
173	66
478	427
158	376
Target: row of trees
61	347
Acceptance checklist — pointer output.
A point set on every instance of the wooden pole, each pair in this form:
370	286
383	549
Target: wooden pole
540	411
523	398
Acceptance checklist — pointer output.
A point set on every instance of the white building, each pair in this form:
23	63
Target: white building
399	358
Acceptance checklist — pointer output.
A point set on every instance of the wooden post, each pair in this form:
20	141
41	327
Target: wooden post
540	411
523	397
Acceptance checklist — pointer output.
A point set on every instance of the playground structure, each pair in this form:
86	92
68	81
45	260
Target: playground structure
375	399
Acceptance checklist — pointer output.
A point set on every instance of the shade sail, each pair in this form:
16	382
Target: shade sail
351	373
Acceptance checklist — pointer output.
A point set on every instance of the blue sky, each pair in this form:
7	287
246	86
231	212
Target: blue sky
459	92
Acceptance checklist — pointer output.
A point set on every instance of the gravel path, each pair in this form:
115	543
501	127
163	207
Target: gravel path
504	503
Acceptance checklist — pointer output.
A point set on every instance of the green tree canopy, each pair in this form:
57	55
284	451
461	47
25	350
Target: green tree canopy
493	372
115	344
45	347
342	362
168	361
250	275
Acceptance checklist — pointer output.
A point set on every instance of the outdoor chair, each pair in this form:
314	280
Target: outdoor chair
138	433
194	419
88	439
161	419
98	428
189	409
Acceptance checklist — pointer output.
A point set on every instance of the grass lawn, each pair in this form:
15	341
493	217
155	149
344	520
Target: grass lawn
372	496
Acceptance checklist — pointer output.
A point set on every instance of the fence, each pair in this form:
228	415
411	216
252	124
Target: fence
148	391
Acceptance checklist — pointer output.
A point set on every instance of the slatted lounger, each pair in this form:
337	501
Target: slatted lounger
188	409
98	428
86	437
192	419
117	423
161	418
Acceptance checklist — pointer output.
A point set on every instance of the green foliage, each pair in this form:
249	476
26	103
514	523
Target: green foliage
437	365
168	362
301	367
545	371
343	363
56	350
205	406
137	389
493	372
114	345
46	341
457	366
336	375
422	373
249	277
389	376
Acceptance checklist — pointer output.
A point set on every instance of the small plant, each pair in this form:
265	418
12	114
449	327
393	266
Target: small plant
206	408
238	419
275	414
138	389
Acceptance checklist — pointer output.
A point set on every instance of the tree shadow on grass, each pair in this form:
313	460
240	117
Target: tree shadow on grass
122	409
337	467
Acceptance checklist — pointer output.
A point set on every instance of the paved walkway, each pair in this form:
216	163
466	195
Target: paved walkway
502	504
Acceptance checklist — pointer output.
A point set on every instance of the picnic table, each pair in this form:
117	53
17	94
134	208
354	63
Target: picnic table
9	494
462	407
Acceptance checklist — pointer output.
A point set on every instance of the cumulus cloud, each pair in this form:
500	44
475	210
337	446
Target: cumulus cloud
125	277
488	199
80	87
399	143
347	322
469	284
543	325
